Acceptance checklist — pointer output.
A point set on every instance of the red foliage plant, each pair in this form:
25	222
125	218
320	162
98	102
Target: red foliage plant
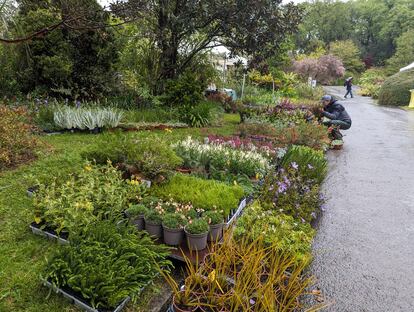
17	142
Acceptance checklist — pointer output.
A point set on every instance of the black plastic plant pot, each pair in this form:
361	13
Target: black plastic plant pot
153	229
173	237
196	242
32	190
51	235
215	233
81	303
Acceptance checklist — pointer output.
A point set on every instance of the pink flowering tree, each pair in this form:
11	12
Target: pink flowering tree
324	69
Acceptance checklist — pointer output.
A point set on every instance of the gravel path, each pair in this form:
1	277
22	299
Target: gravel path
364	249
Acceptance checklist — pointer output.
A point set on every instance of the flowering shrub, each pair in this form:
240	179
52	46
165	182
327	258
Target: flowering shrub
17	144
203	194
312	164
95	193
286	191
278	230
324	69
221	157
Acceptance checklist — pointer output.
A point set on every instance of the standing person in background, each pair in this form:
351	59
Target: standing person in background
348	85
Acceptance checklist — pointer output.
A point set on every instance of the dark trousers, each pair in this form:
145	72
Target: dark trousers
349	91
343	125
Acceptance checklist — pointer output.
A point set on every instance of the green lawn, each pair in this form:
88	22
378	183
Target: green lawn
22	254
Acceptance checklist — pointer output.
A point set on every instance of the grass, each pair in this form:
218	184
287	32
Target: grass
22	254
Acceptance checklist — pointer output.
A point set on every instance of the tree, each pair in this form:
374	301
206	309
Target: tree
350	55
324	69
404	54
73	61
182	29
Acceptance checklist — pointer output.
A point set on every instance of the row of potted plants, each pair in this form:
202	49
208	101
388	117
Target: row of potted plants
174	223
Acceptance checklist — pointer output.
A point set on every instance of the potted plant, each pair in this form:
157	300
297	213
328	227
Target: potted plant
173	225
197	232
153	223
215	220
136	214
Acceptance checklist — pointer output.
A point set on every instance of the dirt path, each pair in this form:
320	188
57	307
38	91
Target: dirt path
364	249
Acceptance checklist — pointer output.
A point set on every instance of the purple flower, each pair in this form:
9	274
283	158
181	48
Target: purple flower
294	165
313	214
323	207
310	166
282	187
287	181
78	104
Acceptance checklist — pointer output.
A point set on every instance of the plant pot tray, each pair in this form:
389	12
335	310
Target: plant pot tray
50	234
181	252
83	304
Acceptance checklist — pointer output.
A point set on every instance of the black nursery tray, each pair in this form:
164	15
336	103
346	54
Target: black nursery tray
83	304
50	234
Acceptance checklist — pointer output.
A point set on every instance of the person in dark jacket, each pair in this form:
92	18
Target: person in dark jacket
348	85
336	113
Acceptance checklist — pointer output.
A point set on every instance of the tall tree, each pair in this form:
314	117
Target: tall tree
404	54
75	59
350	55
184	28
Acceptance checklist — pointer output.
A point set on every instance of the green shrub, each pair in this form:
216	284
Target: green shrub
311	163
186	91
154	217
136	210
111	146
371	81
152	156
173	220
200	115
213	217
95	193
396	89
43	117
303	90
278	230
106	264
17	143
204	194
197	226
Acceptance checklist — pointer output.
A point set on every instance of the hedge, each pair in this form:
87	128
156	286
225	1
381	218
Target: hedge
396	89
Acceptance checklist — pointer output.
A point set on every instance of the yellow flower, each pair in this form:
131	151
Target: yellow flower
88	168
168	130
37	220
235	182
